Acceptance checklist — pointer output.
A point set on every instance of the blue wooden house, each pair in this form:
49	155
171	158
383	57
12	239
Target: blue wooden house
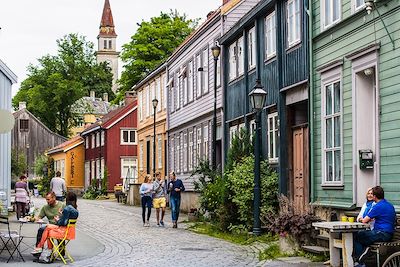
270	44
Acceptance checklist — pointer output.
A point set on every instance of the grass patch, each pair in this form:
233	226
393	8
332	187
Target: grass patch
237	238
273	252
313	257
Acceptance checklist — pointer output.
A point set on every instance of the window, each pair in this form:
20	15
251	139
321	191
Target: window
236	59
159	151
185	153
172	157
198	148
205	71
178	154
93	140
129	169
232	61
158	95
330	12
87	142
332	133
140	106
273	137
171	94
109	44
252	127
270	35
205	143
233	130
59	165
184	81
199	74
128	137
97	139
148	101
23	125
178	93
93	170
105	44
219	73
102	138
98	169
251	37
153	96
357	5
141	156
190	81
240	57
191	154
293	22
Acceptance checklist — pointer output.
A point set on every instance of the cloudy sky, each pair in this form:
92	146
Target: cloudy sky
30	28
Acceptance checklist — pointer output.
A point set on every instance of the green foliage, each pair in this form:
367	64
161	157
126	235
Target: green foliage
241	147
18	163
151	45
40	162
94	191
44	182
59	81
272	252
240	181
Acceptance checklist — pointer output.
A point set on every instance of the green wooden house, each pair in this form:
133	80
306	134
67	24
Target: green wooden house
355	101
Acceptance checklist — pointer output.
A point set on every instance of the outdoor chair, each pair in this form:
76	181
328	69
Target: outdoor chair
10	237
60	250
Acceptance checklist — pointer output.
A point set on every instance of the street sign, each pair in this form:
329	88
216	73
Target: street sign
7	121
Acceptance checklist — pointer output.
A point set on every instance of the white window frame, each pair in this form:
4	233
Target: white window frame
129	142
191	154
251	50
93	140
148	101
330	78
232	61
205	141
158	94
190	84
252	126
178	153
355	8
273	137
102	137
326	24
159	151
97	139
240	56
205	72
141	156
93	170
172	94
129	163
199	74
236	59
199	141
178	93
270	35
185	152
87	142
172	157
293	14
140	105
233	130
98	170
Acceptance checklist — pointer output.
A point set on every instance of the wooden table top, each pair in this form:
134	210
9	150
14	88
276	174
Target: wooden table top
341	226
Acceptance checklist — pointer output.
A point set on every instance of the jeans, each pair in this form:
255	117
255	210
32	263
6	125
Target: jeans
60	198
175	203
146	202
363	239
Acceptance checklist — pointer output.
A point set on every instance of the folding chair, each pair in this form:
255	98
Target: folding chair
59	248
7	236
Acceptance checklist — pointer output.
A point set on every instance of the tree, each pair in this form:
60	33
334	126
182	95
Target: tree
151	45
18	163
58	81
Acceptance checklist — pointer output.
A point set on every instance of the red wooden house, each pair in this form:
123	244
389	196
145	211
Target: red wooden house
111	143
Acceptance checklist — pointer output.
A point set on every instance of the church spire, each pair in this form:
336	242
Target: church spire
107	28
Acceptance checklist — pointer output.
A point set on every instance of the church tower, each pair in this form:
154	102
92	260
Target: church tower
107	38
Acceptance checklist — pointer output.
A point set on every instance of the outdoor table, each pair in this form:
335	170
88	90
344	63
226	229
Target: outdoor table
345	230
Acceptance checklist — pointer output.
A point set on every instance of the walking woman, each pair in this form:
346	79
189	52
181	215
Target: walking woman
146	190
21	196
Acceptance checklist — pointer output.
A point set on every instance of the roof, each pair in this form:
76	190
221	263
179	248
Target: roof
63	147
107	120
24	110
90	105
7	72
107	27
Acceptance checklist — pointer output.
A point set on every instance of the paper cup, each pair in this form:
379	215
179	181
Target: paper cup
344	219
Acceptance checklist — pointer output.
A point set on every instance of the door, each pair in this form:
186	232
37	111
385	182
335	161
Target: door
148	153
300	167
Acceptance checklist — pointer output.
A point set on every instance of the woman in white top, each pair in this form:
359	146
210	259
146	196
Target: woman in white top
146	191
367	206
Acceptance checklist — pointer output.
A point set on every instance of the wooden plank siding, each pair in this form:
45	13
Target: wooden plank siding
354	32
234	15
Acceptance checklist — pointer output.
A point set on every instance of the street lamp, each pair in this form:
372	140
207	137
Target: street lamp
257	101
216	50
27	160
155	103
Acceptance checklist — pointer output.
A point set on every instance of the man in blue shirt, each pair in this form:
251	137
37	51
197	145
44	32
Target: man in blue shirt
175	187
384	215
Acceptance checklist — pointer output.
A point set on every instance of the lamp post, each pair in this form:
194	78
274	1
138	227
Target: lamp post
257	101
155	103
27	160
216	50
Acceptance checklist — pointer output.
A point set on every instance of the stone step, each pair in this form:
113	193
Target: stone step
315	249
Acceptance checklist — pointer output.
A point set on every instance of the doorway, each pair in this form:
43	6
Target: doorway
148	153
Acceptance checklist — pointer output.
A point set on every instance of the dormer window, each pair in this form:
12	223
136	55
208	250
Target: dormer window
23	125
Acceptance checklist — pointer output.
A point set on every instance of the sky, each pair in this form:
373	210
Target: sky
30	28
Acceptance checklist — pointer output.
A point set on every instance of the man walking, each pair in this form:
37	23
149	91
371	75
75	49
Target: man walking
384	215
175	187
57	185
159	201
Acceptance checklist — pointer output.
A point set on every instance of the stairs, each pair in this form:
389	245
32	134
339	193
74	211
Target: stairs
316	249
321	245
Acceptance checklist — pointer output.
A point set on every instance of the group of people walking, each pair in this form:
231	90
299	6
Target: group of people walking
154	194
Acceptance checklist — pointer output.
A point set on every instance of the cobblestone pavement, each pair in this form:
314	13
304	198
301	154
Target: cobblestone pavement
112	234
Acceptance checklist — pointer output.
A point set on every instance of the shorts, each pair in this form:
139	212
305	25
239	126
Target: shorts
159	202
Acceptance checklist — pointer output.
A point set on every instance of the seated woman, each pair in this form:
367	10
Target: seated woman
367	207
58	230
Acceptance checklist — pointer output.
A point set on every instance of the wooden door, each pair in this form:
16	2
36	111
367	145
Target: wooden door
300	166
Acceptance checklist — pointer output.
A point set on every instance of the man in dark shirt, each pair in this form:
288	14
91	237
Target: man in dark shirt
175	187
384	215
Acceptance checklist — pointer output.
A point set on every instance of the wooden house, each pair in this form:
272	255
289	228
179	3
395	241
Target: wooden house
7	79
354	101
111	143
31	137
69	159
270	44
150	88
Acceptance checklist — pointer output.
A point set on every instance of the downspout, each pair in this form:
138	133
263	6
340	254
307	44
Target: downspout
311	99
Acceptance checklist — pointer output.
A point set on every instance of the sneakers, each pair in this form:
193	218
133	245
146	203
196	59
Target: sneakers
36	251
162	223
175	225
146	224
359	265
364	255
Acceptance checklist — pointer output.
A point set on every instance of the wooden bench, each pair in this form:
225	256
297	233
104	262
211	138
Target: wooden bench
380	247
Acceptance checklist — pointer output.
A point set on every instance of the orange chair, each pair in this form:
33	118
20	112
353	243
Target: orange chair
62	237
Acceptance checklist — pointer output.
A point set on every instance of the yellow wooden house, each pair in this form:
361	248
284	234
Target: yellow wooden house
69	159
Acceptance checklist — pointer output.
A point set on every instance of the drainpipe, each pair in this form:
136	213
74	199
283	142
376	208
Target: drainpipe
311	98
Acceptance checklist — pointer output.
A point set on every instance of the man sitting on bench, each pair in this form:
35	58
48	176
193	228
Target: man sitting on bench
384	215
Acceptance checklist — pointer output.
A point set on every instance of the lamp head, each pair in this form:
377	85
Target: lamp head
155	102
369	4
257	96
216	50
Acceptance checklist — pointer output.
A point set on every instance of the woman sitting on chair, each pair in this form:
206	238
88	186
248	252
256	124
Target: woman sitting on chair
58	230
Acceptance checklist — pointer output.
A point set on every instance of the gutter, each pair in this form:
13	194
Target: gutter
311	100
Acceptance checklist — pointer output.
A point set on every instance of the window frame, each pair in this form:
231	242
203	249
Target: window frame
325	26
129	142
251	48
274	157
297	27
355	8
272	31
22	124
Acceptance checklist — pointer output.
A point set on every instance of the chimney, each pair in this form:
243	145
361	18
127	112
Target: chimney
92	94
130	96
105	97
22	105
